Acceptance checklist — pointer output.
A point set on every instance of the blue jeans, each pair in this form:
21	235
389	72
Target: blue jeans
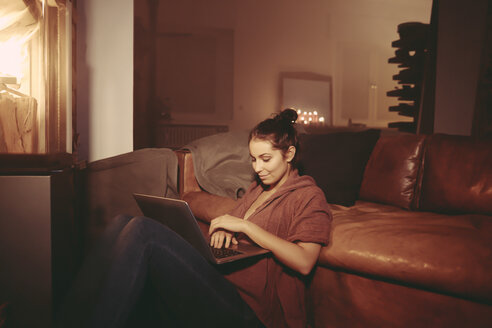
138	252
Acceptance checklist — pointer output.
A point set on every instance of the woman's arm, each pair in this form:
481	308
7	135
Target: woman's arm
300	256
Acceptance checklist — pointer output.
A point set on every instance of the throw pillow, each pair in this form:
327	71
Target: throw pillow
336	161
222	163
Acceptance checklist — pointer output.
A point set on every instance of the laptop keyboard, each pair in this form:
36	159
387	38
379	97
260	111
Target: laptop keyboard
224	252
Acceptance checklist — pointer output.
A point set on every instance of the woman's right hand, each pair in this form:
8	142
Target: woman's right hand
222	238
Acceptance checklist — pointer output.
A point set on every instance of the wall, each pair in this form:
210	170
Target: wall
347	39
104	77
270	37
273	37
461	34
363	33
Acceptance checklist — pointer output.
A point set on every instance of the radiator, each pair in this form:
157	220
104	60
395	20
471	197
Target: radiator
175	136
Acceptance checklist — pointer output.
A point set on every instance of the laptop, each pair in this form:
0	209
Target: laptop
176	214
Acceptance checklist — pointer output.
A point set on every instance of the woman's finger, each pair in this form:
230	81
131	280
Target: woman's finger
219	240
227	240
216	239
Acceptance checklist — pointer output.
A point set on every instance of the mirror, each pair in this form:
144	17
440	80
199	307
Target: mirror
308	93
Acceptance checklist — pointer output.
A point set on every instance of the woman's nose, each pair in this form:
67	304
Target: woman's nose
257	167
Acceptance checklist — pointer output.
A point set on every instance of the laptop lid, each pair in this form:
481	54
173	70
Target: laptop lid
177	215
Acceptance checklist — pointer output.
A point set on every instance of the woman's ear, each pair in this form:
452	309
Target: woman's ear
290	153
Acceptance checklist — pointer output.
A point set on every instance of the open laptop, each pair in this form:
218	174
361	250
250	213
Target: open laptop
177	215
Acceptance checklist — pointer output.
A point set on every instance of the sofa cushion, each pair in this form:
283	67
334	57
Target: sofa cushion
457	175
336	161
443	253
390	176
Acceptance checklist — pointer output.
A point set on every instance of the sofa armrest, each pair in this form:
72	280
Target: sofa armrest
205	206
107	185
186	173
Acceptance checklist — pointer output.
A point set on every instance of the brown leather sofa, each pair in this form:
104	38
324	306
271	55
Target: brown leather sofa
415	250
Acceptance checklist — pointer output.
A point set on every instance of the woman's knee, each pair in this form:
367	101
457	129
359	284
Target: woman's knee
149	231
140	227
113	229
139	223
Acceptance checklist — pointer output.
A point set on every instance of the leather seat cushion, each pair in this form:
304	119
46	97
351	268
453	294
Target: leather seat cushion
449	254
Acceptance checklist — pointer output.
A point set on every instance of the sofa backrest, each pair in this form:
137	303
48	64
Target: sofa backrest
457	175
336	161
392	172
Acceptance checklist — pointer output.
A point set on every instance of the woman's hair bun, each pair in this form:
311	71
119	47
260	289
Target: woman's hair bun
280	130
288	115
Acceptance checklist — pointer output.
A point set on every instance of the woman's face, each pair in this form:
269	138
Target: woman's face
271	165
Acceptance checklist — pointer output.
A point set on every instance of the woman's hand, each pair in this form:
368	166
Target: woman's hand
227	222
218	237
222	229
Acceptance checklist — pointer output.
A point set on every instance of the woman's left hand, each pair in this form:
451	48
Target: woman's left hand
227	222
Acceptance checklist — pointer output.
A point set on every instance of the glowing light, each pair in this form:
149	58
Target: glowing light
13	54
309	117
14	43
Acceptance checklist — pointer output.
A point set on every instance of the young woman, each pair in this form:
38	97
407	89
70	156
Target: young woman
282	212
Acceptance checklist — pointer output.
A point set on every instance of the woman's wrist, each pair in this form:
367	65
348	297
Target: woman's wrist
249	228
246	227
254	232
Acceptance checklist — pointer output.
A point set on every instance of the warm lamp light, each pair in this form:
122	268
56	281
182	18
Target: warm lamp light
308	117
13	54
